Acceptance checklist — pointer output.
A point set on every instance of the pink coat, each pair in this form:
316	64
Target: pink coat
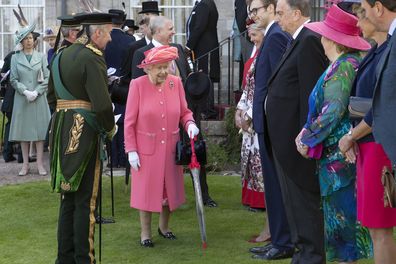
151	124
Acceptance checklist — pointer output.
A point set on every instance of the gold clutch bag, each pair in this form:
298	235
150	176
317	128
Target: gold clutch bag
389	182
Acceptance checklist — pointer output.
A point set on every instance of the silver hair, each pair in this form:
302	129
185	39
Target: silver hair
157	22
66	31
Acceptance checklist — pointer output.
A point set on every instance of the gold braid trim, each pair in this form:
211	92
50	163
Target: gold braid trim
75	134
92	206
111	133
94	49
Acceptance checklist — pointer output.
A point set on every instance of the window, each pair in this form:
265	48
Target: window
177	10
34	11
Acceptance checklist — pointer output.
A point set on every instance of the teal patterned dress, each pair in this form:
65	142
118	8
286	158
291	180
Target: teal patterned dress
328	120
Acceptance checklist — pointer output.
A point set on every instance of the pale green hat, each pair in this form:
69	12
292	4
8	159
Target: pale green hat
23	32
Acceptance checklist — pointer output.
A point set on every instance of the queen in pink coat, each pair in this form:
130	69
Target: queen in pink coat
156	106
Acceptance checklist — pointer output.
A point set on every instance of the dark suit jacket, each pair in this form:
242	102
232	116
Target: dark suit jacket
240	14
202	27
8	101
384	101
287	105
181	62
271	51
126	65
116	49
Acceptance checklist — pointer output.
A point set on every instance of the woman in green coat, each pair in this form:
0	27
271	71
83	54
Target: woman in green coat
31	115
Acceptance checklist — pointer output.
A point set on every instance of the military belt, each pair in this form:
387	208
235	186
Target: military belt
62	104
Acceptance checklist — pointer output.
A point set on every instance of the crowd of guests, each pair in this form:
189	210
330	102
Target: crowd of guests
315	170
326	165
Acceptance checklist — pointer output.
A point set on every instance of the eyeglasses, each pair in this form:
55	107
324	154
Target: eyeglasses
255	10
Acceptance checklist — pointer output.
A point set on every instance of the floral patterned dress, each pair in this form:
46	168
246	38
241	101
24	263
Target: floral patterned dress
252	175
327	122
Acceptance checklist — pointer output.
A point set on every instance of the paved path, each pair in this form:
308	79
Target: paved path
9	172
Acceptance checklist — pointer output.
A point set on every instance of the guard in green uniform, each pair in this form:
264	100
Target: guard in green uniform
83	120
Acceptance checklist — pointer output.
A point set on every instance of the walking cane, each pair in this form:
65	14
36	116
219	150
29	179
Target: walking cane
111	182
100	217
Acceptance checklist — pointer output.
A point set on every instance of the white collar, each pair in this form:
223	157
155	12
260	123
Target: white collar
147	40
392	27
156	43
295	35
269	26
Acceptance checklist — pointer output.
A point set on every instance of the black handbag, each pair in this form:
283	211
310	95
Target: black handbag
359	106
119	92
183	152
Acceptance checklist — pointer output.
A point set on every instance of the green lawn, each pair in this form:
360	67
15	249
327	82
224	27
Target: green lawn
28	222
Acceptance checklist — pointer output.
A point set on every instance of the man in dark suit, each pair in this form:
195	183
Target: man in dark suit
163	31
382	13
271	51
126	65
201	38
286	108
114	53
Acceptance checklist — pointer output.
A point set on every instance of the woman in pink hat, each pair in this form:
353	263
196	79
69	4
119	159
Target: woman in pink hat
327	121
156	106
371	157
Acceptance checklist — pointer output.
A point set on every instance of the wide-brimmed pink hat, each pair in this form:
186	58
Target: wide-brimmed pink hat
159	55
340	27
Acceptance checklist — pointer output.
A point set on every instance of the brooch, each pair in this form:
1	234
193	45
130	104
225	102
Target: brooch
171	84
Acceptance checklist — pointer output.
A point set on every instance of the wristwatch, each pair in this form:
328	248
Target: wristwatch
350	134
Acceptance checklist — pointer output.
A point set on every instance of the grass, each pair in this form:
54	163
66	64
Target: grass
29	217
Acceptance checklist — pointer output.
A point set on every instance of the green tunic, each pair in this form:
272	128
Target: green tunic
73	140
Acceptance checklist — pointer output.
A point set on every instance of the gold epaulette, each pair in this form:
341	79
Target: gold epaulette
60	48
94	49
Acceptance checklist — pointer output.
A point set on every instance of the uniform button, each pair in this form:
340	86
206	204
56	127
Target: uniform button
160	90
163	116
163	129
162	141
161	102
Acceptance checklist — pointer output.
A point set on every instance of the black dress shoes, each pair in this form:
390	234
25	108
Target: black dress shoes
9	159
210	203
167	235
102	220
261	250
274	254
147	243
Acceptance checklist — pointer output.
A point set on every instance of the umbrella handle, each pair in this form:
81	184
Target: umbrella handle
194	161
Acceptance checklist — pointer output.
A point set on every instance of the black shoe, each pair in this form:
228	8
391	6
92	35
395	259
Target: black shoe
167	235
256	210
274	254
20	160
103	220
147	243
9	159
261	250
210	203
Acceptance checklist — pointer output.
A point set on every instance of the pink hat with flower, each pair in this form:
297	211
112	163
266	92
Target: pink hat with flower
159	55
340	27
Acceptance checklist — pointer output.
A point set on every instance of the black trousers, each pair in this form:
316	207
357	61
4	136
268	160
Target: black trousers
76	225
278	224
305	220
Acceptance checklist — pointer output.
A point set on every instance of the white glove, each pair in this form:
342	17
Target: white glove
35	94
30	95
192	130
133	159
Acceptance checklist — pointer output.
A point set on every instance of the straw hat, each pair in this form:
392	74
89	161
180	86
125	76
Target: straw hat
50	32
